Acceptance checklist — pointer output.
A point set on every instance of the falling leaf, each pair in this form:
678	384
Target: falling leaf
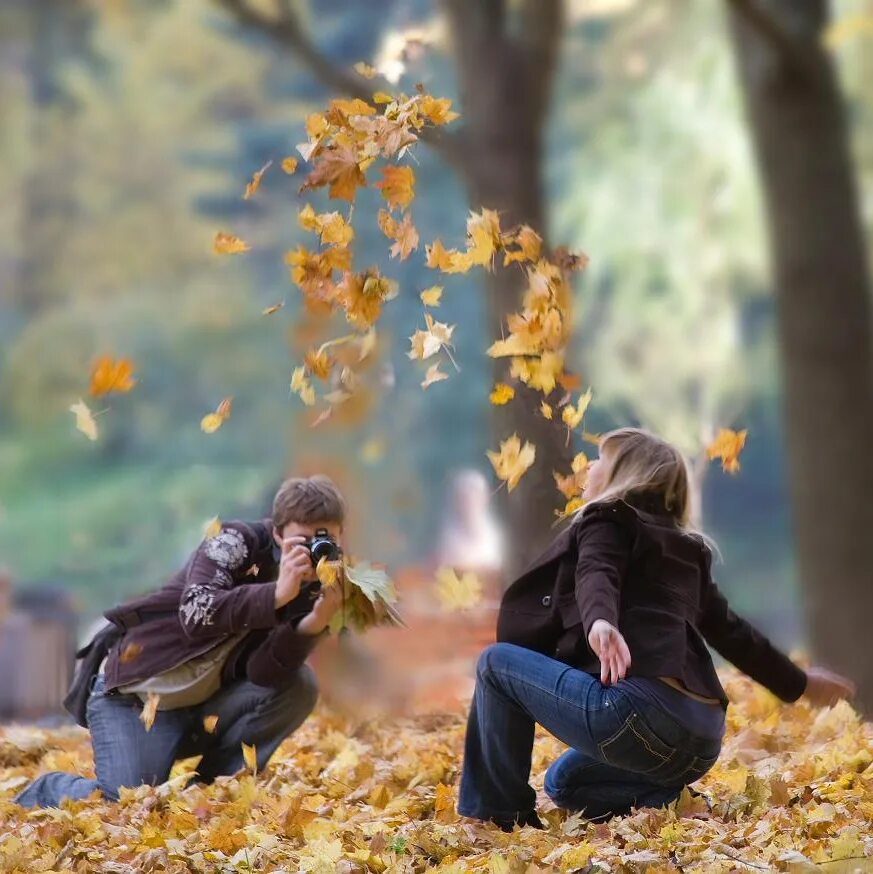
513	460
328	572
502	394
85	421
432	296
434	374
109	375
573	416
209	723
273	309
457	593
149	710
365	70
130	653
213	527
301	386
403	233
250	756
228	244
211	422
289	165
546	410
253	571
529	244
397	186
255	184
727	446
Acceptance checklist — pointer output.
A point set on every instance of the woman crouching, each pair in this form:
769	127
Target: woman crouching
603	643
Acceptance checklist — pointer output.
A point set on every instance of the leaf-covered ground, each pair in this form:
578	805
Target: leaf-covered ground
793	791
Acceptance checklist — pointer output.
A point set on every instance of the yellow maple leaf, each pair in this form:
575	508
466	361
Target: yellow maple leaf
383	97
398	184
572	506
85	421
250	757
328	572
434	374
149	710
513	460
209	723
301	386
502	394
404	234
109	375
289	165
511	346
546	410
727	446
229	244
432	296
529	244
573	416
437	110
483	232
213	527
457	593
255	184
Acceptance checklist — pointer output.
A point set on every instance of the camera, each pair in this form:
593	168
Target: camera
323	546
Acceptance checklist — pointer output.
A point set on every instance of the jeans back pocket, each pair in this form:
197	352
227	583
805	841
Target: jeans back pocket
635	747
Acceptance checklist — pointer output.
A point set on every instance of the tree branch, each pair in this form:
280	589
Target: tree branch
288	32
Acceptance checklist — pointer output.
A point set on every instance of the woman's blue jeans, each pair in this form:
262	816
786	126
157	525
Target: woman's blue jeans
125	754
626	751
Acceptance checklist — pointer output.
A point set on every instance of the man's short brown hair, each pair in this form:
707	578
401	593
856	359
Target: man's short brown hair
308	501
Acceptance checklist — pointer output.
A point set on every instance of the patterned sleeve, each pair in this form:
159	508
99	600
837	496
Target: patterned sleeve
212	603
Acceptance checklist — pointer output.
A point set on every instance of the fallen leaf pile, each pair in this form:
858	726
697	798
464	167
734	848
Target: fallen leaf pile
793	791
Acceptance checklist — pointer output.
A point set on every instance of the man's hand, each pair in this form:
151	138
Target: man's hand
610	647
824	688
329	601
295	565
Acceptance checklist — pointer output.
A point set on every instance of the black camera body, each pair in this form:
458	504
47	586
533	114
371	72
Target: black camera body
322	546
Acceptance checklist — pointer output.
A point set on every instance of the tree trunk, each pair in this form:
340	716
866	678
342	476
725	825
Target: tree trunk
505	71
823	295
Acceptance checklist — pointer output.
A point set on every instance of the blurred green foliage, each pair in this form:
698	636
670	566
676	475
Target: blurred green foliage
131	133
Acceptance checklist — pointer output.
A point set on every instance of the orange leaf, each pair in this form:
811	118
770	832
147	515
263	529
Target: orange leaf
108	376
397	186
289	165
727	446
209	723
502	394
149	710
228	244
255	184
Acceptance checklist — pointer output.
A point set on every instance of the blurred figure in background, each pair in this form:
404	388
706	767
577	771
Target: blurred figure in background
471	539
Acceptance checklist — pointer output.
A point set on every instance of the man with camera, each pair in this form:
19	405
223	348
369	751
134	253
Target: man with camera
217	655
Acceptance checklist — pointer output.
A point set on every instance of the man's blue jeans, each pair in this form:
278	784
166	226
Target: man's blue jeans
125	754
626	751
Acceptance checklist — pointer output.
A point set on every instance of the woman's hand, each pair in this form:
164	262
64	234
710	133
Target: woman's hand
610	647
824	688
323	609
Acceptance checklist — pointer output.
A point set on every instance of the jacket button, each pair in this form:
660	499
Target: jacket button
547	600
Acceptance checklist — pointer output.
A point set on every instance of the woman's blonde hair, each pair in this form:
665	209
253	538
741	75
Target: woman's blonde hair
641	463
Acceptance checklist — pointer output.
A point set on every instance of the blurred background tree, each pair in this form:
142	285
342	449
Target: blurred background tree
614	126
